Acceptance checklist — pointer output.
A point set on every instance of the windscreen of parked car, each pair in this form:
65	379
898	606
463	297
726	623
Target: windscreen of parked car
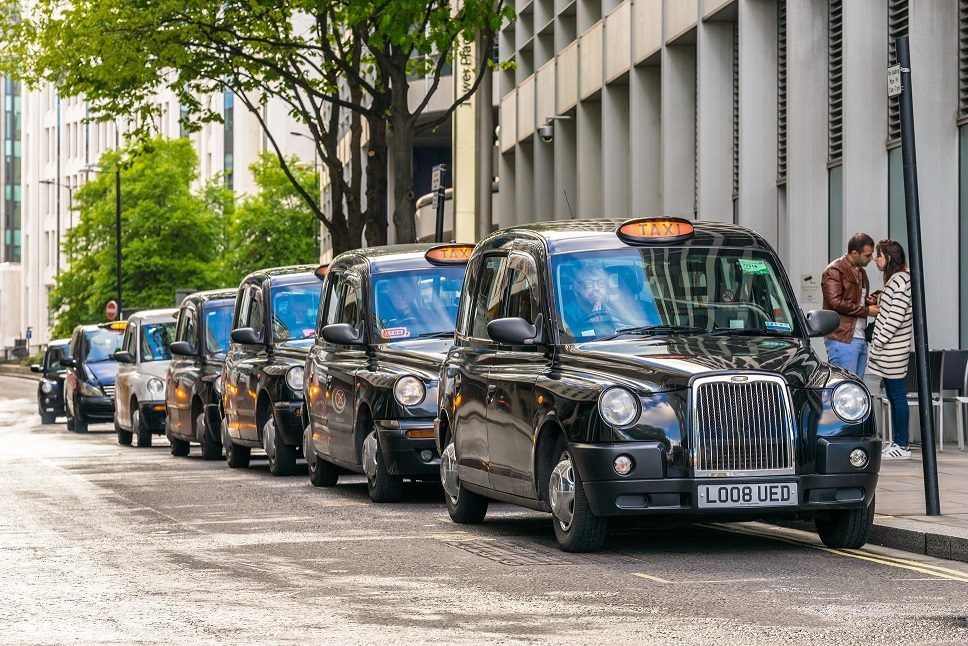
218	326
155	338
421	302
663	290
294	311
102	344
53	357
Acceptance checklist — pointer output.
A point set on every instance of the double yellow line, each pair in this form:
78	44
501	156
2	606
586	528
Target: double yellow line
947	574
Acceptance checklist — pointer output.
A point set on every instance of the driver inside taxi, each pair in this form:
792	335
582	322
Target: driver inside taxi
398	302
590	312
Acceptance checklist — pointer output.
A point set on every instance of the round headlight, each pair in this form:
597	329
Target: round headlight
294	378
155	386
409	391
618	406
850	401
45	386
217	385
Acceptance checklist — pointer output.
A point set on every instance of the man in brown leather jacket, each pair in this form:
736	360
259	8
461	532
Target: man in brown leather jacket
845	290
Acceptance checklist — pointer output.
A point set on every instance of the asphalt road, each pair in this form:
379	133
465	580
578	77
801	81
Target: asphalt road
107	544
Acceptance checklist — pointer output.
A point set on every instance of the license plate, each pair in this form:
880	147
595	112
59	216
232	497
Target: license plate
767	494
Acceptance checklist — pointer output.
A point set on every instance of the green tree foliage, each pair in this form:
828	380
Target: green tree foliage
274	227
342	67
170	237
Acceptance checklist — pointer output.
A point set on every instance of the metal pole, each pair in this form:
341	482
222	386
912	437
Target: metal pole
117	233
439	229
909	159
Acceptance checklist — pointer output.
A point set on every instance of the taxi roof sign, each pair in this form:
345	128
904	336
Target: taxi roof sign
655	230
320	271
449	254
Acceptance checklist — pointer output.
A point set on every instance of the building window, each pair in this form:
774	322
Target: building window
835	128
897	26
781	93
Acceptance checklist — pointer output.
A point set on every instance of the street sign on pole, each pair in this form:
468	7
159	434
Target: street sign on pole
111	310
437	186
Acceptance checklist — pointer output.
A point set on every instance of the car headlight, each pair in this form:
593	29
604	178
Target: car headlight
45	387
294	378
409	391
850	401
156	386
89	390
217	385
618	406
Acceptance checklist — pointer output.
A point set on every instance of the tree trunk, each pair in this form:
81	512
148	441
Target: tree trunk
376	183
404	201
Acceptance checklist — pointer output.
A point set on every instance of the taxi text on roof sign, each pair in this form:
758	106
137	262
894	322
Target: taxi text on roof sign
449	254
655	230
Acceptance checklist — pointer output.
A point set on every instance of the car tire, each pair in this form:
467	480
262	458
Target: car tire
845	528
321	472
577	529
179	448
382	486
70	421
282	457
236	456
211	448
124	437
47	418
465	507
139	427
80	424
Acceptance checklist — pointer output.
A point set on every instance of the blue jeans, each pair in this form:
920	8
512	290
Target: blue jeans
852	356
900	414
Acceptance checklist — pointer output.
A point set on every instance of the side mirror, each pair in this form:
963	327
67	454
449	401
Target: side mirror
181	348
123	356
342	334
36	367
246	336
68	362
822	322
514	331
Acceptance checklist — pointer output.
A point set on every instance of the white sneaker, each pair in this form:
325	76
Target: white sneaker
895	452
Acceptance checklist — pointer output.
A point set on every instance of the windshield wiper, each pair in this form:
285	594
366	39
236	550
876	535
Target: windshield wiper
427	335
750	332
656	330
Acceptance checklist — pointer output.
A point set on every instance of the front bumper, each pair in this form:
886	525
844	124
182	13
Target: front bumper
52	402
288	416
95	409
645	491
402	453
153	416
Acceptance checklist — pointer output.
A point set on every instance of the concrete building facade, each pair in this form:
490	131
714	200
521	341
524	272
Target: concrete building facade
772	114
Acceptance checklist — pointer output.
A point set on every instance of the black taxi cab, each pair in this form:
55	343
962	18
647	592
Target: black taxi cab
371	375
91	371
273	326
50	388
648	367
193	381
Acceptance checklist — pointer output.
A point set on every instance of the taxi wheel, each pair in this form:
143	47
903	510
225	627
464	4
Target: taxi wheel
80	425
70	421
211	449
45	417
139	427
124	437
321	472
845	528
282	457
381	486
465	507
179	448
577	529
235	456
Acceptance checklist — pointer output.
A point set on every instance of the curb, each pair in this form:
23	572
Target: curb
18	371
921	537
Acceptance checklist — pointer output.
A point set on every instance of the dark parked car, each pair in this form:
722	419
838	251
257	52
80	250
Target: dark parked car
651	367
194	375
50	390
272	330
371	376
91	370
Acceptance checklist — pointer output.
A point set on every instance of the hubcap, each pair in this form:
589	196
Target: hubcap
269	438
562	489
448	471
308	451
369	455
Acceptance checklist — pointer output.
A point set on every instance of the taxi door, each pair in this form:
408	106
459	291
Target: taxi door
343	362
239	384
511	380
181	376
122	383
317	369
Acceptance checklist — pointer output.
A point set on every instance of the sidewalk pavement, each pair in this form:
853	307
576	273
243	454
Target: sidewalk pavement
901	522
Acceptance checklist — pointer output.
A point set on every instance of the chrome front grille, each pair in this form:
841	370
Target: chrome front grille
741	425
108	390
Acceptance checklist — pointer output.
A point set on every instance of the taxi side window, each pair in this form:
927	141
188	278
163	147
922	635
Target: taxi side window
185	329
466	297
331	300
487	300
256	314
522	298
53	357
351	308
130	343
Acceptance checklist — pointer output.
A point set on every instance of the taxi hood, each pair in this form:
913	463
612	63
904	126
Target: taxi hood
104	371
296	349
668	363
426	354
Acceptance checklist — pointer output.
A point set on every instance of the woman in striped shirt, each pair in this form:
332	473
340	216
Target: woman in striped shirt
890	347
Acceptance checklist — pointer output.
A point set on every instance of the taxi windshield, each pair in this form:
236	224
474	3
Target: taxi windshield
603	294
101	344
218	324
155	338
419	303
294	311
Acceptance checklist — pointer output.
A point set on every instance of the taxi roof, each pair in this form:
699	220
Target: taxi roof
290	275
152	316
212	294
58	342
388	258
576	235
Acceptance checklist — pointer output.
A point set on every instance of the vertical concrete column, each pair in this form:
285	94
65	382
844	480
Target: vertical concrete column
524	183
678	129
615	164
645	136
507	200
589	160
934	41
714	56
757	117
806	189
566	169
